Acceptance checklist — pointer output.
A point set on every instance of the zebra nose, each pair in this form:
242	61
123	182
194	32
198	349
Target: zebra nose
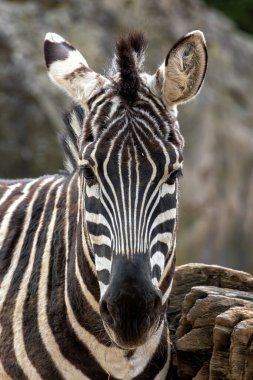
108	311
129	305
155	305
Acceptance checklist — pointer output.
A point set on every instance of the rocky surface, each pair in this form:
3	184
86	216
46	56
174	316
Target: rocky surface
216	216
212	332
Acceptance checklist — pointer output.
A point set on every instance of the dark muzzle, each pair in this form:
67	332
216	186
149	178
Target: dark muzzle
131	306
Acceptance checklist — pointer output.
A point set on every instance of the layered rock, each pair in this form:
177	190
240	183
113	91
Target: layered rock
212	332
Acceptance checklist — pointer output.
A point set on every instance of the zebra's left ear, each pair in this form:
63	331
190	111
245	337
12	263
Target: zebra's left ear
69	70
181	75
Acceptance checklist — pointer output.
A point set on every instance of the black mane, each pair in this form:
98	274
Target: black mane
129	58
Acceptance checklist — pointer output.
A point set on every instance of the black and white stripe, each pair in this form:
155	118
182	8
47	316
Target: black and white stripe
62	236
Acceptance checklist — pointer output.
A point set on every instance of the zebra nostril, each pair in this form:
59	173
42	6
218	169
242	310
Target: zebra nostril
106	311
157	302
155	305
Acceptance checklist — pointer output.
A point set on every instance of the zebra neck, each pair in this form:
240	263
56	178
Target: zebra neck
71	267
73	260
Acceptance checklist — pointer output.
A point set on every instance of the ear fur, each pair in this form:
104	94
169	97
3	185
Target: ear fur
181	75
68	69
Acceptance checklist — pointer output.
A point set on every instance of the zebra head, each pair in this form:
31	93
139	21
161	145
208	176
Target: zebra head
130	156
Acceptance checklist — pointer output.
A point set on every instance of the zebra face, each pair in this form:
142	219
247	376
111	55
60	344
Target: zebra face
131	191
130	153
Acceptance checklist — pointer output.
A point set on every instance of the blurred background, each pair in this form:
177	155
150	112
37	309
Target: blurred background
216	205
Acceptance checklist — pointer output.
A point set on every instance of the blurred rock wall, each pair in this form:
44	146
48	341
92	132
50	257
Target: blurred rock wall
216	209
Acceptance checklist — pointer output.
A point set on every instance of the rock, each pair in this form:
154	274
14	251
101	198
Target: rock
213	331
217	188
226	338
190	275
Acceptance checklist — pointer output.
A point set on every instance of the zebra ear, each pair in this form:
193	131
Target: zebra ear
68	69
181	75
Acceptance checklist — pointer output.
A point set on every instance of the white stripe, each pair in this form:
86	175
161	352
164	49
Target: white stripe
166	166
104	193
167	293
86	293
4	229
73	151
116	213
168	263
115	103
153	105
66	369
141	219
100	240
157	259
130	201
81	212
103	288
92	191
162	375
97	219
80	215
121	239
18	338
136	200
103	263
164	274
8	192
141	357
164	237
75	124
163	217
125	232
113	227
167	189
18	250
110	358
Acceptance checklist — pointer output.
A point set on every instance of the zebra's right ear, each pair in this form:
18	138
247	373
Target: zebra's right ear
69	70
181	76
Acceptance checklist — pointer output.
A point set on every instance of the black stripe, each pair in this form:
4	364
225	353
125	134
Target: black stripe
156	272
102	250
159	246
85	315
167	226
168	278
35	348
98	229
69	155
15	228
104	276
6	344
69	343
56	51
10	199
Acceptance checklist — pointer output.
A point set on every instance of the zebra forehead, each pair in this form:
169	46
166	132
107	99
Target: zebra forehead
108	116
128	146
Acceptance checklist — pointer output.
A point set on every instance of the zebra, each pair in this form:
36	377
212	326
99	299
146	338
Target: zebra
87	255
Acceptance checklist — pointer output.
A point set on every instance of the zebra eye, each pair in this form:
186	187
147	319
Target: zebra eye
89	175
174	175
